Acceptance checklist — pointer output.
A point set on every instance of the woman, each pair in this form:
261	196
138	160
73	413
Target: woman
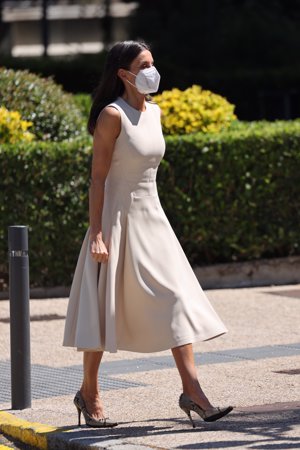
133	288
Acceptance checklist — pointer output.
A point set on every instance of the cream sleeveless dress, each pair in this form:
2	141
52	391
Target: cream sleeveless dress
146	298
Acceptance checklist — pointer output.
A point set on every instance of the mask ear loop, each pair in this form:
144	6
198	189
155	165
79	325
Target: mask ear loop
130	81
132	73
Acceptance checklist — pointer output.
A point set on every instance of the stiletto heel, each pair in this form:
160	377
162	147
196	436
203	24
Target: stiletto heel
89	420
210	415
188	413
79	415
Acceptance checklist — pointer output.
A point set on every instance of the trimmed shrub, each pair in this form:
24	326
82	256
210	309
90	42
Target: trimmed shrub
84	103
54	114
45	185
234	196
194	110
12	128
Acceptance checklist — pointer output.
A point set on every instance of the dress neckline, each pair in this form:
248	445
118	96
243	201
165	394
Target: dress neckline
136	110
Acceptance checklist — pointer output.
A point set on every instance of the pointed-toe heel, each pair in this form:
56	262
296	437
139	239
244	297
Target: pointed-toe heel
210	415
89	420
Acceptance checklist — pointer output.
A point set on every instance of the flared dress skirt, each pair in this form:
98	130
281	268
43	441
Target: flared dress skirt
146	298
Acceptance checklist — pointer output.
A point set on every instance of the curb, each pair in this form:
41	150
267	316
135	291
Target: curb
40	292
47	437
262	272
34	434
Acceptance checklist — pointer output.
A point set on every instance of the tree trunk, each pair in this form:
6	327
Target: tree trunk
107	24
45	28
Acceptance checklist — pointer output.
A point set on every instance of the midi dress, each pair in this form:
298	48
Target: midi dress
146	297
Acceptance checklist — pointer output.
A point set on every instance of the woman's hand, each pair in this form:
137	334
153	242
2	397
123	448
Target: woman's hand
98	249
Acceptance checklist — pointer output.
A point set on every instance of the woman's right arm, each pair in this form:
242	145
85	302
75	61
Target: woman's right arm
106	132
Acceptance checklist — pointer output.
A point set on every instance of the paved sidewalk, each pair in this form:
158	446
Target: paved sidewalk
255	367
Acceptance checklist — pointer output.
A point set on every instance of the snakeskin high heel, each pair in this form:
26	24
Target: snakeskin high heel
209	415
89	420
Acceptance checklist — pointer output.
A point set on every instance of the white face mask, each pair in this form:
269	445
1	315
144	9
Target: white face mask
147	80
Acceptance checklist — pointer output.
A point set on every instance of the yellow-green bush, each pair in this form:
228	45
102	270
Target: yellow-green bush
12	128
53	112
194	110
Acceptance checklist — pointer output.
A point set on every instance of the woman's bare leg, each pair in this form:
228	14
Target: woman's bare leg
184	358
90	386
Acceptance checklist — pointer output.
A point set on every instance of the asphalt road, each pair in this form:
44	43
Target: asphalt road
11	443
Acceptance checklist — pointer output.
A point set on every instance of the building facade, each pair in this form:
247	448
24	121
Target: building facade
61	27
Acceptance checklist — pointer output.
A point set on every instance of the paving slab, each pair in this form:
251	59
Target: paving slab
255	367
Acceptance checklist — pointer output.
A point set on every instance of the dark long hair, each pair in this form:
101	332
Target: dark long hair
110	87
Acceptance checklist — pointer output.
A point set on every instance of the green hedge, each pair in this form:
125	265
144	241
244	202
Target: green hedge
45	186
230	197
235	196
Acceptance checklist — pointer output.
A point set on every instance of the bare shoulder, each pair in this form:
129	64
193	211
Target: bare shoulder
111	111
109	114
109	120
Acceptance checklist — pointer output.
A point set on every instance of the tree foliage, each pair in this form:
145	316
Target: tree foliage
221	33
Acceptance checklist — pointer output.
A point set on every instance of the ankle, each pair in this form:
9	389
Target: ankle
191	388
197	395
88	393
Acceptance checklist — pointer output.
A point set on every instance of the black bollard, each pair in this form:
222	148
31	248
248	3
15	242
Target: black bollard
19	317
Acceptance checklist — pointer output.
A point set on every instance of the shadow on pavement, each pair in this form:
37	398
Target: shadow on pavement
262	430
